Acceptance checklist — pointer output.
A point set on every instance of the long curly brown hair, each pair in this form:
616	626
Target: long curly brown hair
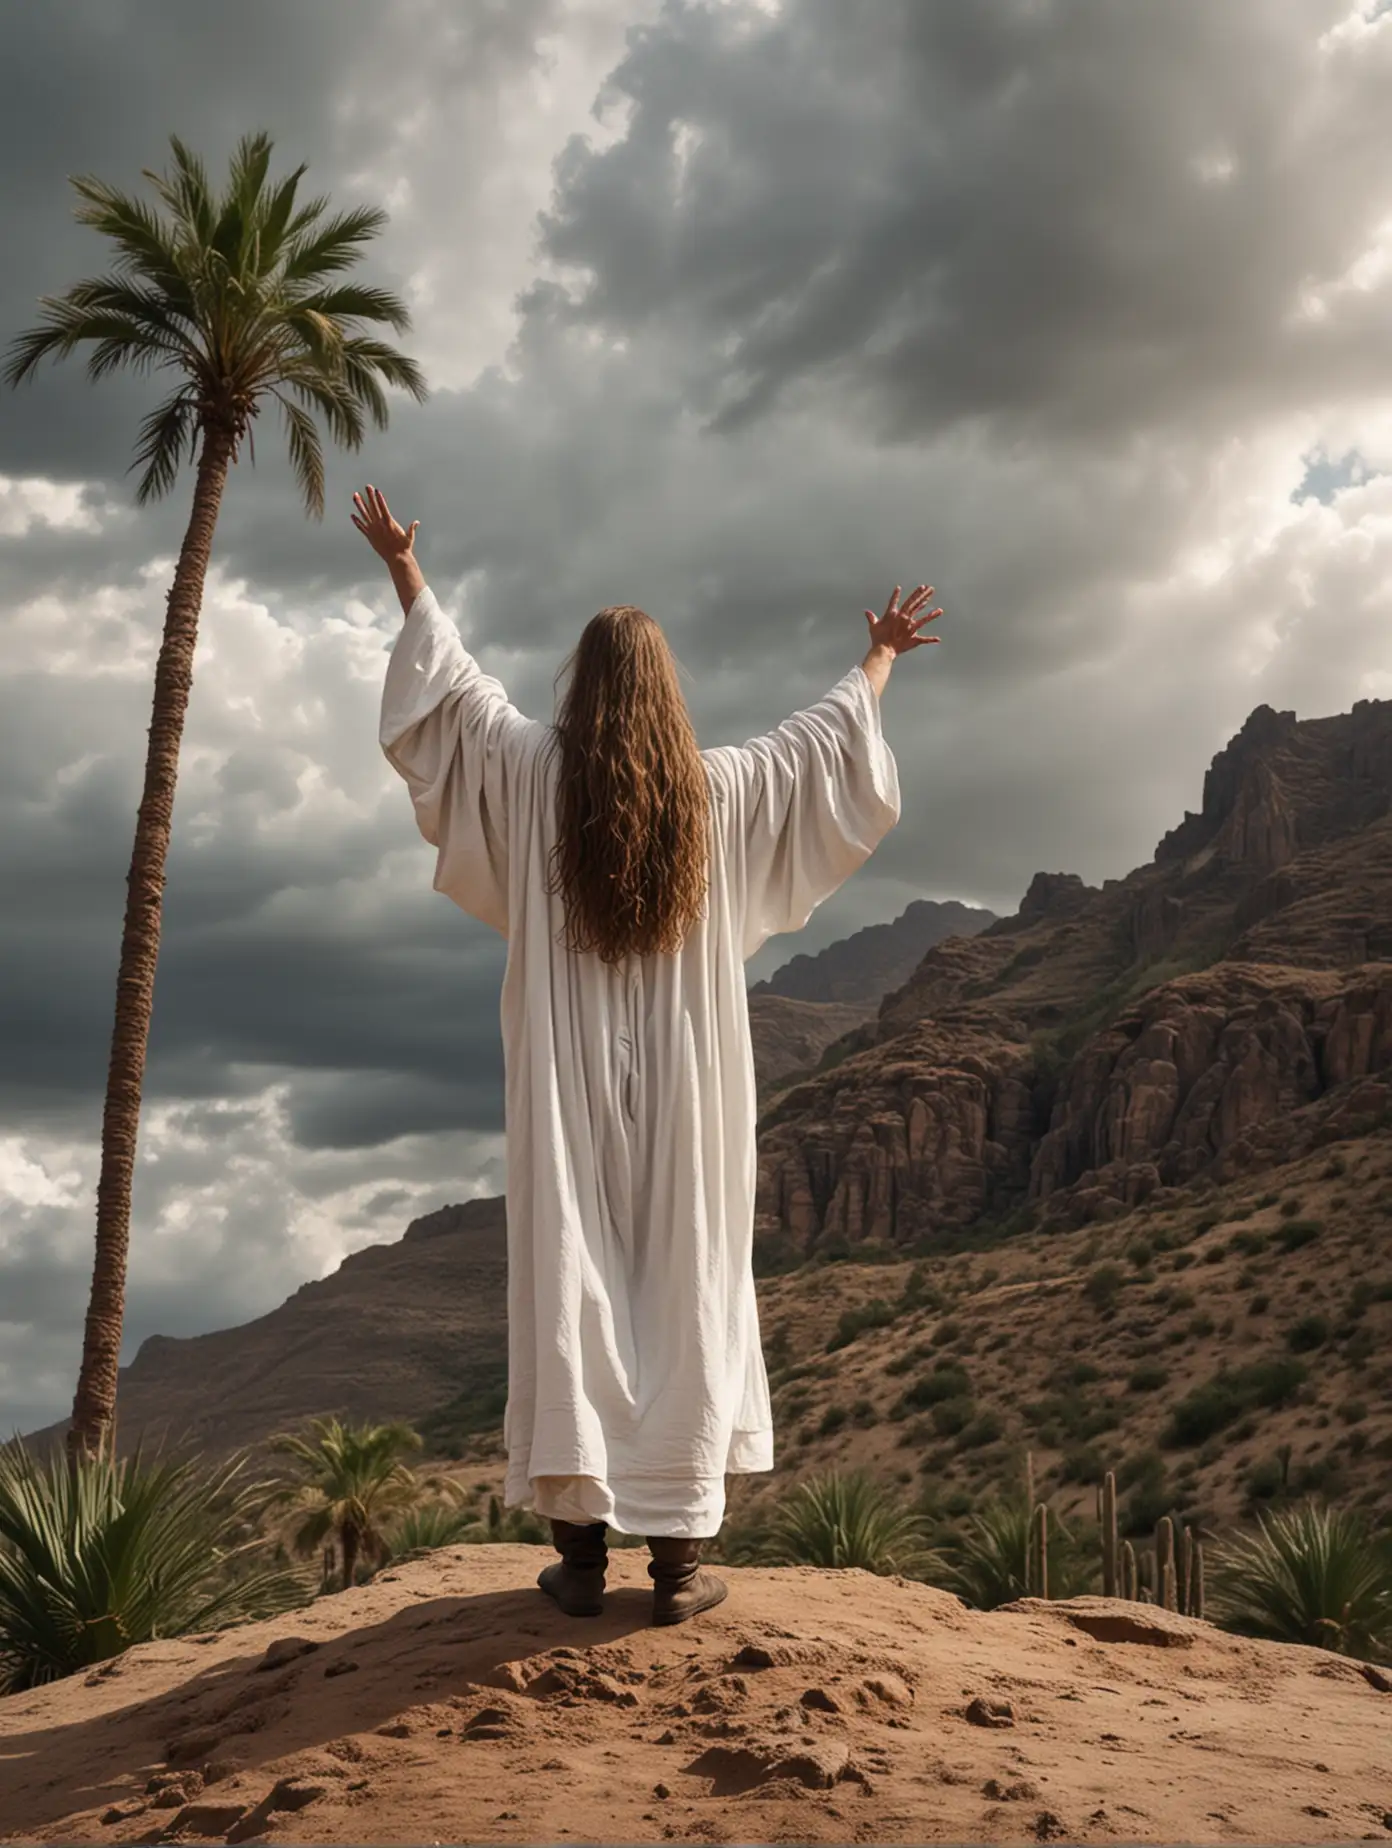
632	853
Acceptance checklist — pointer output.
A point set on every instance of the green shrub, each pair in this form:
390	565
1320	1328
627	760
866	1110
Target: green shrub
1309	1333
853	1322
1148	1378
1083	1464
1220	1401
1265	1479
841	1520
1298	1232
832	1420
985	1428
1103	1286
1312	1575
100	1555
951	1416
948	1380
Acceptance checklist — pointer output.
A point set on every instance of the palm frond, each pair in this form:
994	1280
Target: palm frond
335	247
163	435
144	243
360	301
306	453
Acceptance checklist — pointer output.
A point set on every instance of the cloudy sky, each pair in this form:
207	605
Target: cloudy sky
1080	310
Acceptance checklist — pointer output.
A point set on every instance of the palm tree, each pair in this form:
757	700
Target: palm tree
239	296
351	1485
839	1520
1310	1575
96	1555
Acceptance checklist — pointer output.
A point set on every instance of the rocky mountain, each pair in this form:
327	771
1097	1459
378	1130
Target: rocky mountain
860	969
1216	1012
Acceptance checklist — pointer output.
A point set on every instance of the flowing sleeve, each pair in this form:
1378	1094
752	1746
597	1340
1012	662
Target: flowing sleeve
449	730
808	803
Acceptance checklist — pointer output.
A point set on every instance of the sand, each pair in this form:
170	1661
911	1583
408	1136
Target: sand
447	1702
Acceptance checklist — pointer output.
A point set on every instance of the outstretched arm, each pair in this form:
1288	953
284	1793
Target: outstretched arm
895	633
392	543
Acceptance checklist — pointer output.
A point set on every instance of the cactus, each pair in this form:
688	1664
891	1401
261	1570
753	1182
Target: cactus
1130	1578
1037	1557
1165	1587
1196	1583
1186	1568
1107	1520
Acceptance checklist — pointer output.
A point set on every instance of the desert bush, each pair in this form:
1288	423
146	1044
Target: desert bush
986	1428
1103	1286
97	1555
432	1525
1309	1333
952	1416
1311	1575
1223	1399
948	1380
844	1519
1148	1378
988	1562
853	1322
1296	1233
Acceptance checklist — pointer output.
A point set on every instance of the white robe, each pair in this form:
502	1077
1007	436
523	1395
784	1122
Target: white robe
635	1375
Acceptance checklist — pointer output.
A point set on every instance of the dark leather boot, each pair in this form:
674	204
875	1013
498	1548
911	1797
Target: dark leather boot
680	1588
576	1581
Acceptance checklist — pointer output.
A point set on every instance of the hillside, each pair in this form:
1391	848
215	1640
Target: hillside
397	1331
444	1701
1217	1348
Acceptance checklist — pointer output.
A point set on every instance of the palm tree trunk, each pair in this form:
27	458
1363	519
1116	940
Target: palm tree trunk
349	1540
94	1405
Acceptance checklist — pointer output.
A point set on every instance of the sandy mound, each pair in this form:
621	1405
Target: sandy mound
448	1702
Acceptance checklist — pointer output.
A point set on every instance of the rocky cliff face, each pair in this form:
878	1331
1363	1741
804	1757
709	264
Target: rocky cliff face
1222	1008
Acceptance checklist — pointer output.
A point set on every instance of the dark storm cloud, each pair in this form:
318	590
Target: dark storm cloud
1006	212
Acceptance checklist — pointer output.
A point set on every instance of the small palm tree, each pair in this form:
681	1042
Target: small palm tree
241	297
841	1520
350	1485
1310	1575
97	1555
989	1564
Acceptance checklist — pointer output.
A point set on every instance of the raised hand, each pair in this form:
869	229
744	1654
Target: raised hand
387	537
898	628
